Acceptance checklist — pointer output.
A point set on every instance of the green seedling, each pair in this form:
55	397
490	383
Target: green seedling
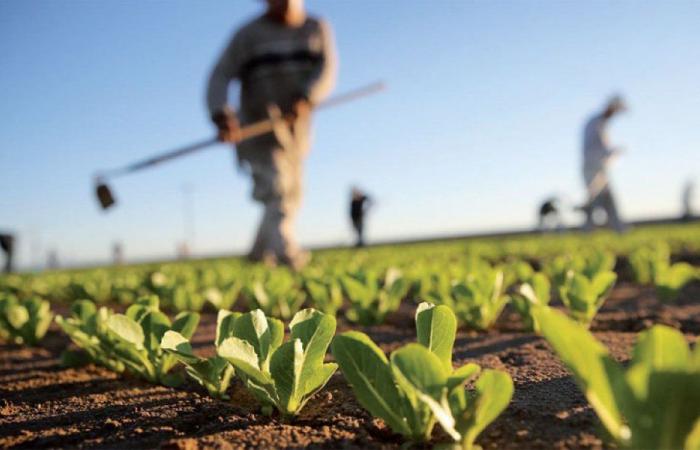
87	328
535	290
24	321
670	279
277	295
326	295
213	373
281	375
652	404
371	300
417	386
130	340
479	300
137	339
584	296
647	260
588	263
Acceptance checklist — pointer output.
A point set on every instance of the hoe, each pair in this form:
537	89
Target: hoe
276	122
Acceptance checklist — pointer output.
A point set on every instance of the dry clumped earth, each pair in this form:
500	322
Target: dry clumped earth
43	405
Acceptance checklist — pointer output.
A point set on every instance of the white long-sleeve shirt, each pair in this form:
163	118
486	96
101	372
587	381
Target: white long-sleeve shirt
596	148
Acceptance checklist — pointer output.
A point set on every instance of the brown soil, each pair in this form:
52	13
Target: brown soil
43	405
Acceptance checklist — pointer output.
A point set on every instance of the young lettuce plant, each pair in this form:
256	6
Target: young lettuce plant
670	279
479	300
139	333
281	375
24	321
326	295
652	265
87	328
370	300
646	260
417	385
589	263
583	296
277	295
213	373
537	290
134	339
654	403
225	296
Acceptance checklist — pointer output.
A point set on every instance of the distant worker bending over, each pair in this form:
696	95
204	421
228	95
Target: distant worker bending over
597	156
548	217
284	60
359	204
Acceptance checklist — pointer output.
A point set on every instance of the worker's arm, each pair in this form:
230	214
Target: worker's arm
226	69
323	79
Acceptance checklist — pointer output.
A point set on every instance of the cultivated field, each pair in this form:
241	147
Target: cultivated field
522	305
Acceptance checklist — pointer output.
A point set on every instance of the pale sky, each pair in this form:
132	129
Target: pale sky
482	119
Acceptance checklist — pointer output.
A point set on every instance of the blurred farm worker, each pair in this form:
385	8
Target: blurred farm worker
7	243
285	62
688	194
548	217
597	156
359	204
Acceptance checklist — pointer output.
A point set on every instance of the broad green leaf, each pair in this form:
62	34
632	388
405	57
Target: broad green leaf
154	325
602	283
17	316
84	310
276	333
286	367
126	329
541	287
243	357
225	321
667	416
494	389
315	331
175	342
254	328
367	370
593	369
419	372
661	348
319	378
462	375
692	441
186	323
436	327
419	367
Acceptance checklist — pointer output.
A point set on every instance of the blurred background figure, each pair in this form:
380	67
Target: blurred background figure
548	216
687	199
284	59
359	205
7	243
182	250
597	157
117	254
52	260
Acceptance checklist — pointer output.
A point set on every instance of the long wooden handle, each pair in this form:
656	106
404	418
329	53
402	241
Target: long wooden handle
249	131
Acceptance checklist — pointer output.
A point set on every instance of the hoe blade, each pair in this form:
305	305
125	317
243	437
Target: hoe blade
104	196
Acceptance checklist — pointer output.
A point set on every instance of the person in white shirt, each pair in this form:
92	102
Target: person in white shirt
597	156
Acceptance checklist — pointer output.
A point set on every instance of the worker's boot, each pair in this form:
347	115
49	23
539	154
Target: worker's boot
266	257
296	261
